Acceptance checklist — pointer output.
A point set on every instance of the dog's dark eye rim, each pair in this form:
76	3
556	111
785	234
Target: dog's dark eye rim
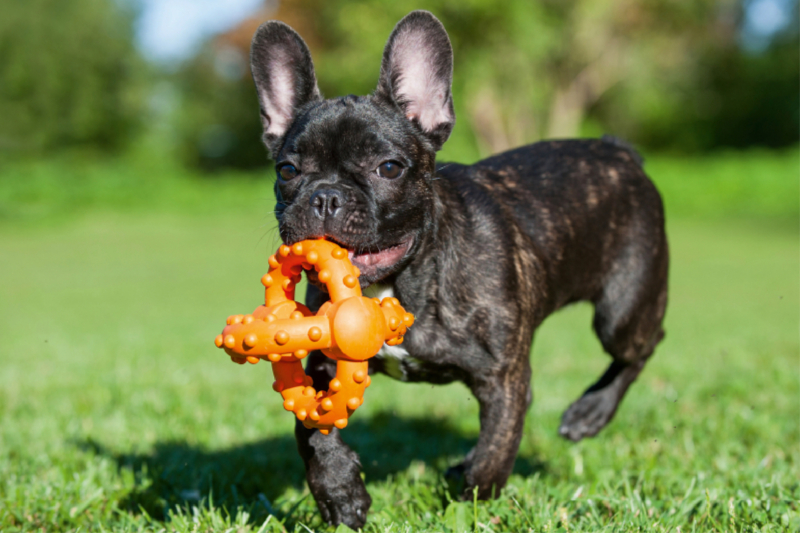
390	169
287	171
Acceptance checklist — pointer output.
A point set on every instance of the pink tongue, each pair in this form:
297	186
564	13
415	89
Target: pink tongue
383	258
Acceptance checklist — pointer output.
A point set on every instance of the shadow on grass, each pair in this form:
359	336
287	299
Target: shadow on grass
250	476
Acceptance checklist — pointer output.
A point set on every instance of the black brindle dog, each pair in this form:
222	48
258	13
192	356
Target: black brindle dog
481	254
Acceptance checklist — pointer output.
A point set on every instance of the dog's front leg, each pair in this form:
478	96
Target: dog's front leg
504	399
332	468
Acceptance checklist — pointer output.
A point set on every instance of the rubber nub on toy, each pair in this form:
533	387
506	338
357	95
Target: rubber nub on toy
350	329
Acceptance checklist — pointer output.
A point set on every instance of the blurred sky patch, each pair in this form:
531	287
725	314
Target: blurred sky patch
763	19
171	30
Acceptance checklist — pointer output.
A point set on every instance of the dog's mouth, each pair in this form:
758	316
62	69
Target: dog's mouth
373	261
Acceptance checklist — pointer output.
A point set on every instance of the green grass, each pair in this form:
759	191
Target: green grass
118	413
752	184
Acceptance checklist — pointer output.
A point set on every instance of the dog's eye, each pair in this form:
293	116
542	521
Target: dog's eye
287	171
390	170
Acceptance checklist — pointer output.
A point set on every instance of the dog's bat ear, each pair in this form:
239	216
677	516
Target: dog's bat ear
417	72
284	77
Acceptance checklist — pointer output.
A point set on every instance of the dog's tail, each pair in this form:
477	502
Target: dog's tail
625	145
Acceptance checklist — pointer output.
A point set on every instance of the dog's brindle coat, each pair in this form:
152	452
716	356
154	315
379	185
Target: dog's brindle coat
481	253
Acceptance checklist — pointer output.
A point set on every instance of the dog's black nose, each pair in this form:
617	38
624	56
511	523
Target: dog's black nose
326	202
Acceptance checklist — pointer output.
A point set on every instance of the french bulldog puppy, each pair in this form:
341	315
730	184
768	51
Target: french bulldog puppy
481	254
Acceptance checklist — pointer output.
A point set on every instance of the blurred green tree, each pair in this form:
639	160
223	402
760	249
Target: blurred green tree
69	75
706	91
216	122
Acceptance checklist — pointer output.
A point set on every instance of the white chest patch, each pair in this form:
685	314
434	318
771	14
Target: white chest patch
381	291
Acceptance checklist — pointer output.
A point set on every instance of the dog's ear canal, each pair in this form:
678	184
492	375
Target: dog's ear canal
284	78
417	73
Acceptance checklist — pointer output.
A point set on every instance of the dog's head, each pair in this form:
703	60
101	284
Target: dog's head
358	169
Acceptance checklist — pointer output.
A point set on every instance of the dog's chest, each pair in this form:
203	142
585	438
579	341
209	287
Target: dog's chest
395	359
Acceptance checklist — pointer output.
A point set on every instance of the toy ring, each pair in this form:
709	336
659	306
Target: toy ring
350	329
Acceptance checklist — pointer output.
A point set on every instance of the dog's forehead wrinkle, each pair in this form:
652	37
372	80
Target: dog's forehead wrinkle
354	134
349	145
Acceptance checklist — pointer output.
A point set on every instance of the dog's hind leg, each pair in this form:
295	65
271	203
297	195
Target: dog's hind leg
628	316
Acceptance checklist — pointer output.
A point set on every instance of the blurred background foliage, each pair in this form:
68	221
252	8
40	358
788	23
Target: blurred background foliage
676	77
70	75
666	74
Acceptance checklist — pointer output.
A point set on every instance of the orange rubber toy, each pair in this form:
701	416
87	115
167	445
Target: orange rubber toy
350	328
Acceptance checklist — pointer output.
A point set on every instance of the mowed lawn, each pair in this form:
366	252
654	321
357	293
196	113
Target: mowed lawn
118	413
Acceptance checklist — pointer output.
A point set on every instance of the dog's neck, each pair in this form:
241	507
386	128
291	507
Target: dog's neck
440	242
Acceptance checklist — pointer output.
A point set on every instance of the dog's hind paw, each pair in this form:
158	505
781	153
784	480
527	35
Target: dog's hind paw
588	415
456	481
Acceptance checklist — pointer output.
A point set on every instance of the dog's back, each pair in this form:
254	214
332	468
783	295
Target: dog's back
581	202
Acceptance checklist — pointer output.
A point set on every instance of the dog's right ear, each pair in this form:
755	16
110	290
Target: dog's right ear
284	77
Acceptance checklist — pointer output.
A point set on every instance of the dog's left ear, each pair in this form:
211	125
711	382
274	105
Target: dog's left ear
417	72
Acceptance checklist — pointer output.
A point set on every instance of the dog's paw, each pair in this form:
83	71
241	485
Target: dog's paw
588	415
339	490
456	480
349	509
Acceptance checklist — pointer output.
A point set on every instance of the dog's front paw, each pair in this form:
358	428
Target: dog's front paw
350	509
588	415
339	490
